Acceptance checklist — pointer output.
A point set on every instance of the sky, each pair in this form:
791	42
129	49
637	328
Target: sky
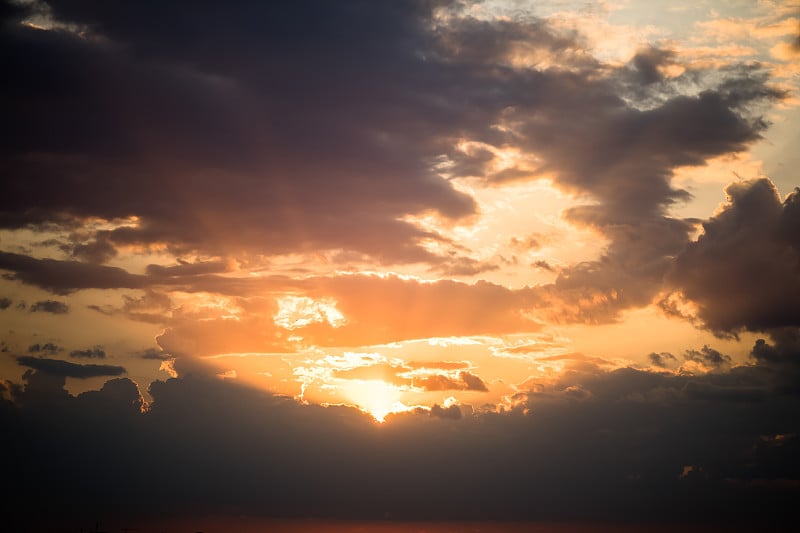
452	260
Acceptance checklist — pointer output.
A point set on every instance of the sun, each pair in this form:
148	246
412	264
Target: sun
375	397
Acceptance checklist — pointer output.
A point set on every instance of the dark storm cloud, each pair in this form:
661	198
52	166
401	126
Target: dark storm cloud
742	271
57	367
599	446
89	353
315	125
49	306
329	111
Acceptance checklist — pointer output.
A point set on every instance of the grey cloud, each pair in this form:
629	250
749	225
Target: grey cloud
63	277
103	310
439	382
742	271
453	412
49	306
464	266
153	306
627	168
98	250
152	353
46	347
707	391
661	359
236	126
646	63
707	355
782	357
59	368
471	381
89	353
376	104
369	302
188	269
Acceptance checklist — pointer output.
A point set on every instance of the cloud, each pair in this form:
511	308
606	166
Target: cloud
240	131
153	306
46	347
152	353
386	372
64	277
606	445
371	305
49	306
90	353
188	269
229	136
98	250
782	357
59	368
220	335
439	382
408	375
438	365
378	310
741	273
707	356
235	126
661	359
451	412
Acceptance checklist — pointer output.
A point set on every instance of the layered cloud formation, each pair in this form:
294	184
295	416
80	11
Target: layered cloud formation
230	231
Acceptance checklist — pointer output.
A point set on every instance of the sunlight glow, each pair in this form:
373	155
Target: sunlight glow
299	311
377	398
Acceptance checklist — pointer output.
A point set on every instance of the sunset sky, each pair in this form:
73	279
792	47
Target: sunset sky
414	260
